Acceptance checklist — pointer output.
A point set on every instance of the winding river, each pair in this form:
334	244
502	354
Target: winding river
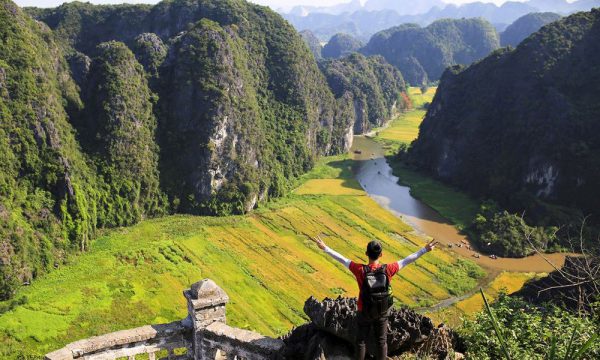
375	176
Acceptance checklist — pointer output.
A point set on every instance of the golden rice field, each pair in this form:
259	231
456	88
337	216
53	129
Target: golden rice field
506	282
265	261
405	127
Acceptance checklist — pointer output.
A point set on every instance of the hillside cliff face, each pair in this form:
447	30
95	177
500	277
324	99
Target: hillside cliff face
522	123
422	54
118	131
48	190
368	89
112	114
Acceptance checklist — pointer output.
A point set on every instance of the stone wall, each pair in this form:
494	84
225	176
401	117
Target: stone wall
204	334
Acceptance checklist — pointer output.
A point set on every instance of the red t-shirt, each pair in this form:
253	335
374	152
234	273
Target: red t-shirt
357	270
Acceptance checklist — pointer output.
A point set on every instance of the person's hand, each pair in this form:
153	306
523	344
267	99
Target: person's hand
431	245
319	242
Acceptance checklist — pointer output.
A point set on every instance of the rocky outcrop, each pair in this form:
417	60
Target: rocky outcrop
150	51
332	331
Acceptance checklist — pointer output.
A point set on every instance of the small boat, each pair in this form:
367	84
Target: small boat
358	152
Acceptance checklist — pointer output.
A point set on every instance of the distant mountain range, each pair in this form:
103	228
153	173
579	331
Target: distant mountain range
423	53
376	15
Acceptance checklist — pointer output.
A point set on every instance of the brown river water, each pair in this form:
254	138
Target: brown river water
375	176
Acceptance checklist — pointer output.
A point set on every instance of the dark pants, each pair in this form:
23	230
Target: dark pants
379	329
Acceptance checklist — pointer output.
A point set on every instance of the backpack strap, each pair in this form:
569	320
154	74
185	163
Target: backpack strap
366	270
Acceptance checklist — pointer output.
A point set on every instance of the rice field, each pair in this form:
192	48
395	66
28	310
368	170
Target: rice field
265	261
506	282
405	128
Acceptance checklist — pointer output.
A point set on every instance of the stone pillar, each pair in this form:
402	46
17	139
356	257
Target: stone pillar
206	304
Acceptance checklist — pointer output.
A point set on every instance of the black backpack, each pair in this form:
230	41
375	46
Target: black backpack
376	292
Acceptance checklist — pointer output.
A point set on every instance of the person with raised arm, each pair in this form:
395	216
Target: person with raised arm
375	293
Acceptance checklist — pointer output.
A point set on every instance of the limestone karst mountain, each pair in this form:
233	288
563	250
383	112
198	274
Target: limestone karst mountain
525	26
422	54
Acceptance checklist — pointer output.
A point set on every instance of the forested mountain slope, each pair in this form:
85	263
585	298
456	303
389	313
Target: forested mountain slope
368	90
521	126
525	26
341	45
422	54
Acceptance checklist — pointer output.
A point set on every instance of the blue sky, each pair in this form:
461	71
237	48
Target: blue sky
272	3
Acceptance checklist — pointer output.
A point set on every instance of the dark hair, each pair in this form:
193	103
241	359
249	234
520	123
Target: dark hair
374	250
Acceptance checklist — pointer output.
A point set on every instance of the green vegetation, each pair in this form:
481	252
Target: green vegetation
422	54
341	45
507	235
313	43
370	88
547	165
48	191
265	261
525	331
525	26
118	131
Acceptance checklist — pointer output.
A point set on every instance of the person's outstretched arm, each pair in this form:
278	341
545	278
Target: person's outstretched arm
334	254
413	257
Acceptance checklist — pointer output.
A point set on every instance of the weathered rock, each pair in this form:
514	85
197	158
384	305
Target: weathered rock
443	343
407	330
79	64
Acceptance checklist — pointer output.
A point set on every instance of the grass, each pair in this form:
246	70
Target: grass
265	261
